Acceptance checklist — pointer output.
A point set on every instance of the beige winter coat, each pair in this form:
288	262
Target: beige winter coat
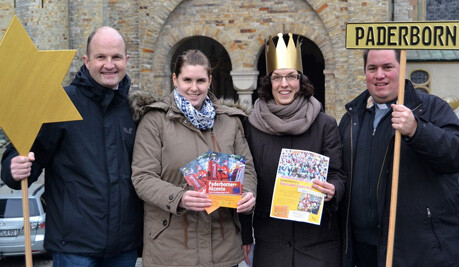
165	142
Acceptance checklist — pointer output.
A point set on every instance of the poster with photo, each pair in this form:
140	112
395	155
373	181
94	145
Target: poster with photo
293	196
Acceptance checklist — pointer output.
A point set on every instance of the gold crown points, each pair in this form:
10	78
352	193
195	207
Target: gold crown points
282	56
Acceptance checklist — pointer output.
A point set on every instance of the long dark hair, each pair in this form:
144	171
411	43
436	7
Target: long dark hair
265	88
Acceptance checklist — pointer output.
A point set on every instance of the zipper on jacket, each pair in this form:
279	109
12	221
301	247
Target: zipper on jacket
417	107
429	217
380	172
350	189
215	143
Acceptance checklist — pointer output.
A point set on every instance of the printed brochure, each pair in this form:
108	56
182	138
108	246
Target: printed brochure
219	175
293	197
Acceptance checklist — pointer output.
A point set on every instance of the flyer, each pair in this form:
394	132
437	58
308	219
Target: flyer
219	175
293	197
196	173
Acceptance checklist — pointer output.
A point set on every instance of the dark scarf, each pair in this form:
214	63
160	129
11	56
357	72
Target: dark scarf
292	119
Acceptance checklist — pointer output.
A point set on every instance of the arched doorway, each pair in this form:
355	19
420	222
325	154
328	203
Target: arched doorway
222	83
313	65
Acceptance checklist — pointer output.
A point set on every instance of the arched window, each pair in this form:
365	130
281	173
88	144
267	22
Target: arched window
421	80
222	83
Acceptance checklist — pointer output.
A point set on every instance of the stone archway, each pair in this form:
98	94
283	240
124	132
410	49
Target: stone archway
222	84
158	76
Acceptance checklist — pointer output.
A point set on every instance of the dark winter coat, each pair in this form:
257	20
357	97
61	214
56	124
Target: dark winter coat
92	207
289	243
427	219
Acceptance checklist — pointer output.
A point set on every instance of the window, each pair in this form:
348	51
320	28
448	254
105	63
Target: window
12	208
419	76
421	80
442	10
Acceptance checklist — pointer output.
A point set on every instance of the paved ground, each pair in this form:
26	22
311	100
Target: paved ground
38	261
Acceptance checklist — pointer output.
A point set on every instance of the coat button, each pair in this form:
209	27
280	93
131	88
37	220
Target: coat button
289	244
171	114
165	222
168	207
63	242
171	197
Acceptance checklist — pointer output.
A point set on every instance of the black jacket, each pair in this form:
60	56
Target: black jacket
427	219
92	207
289	243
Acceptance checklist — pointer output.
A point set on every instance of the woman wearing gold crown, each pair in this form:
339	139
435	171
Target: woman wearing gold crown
287	115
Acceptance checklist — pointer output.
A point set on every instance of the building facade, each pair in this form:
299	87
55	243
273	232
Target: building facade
232	33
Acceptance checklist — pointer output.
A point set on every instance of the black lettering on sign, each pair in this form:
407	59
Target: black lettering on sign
359	34
451	35
421	35
370	37
426	36
381	35
414	36
391	33
438	34
403	32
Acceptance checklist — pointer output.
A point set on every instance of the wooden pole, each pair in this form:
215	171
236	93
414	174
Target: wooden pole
25	214
396	165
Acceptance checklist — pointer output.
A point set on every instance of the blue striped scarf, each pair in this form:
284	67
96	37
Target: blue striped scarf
202	119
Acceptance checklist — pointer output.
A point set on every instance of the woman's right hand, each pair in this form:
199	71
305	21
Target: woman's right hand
197	201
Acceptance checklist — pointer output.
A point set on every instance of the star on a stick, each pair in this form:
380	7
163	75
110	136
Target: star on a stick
30	87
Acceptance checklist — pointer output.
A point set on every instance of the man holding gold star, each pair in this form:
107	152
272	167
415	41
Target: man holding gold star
94	217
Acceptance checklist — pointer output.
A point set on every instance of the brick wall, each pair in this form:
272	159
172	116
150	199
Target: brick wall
155	28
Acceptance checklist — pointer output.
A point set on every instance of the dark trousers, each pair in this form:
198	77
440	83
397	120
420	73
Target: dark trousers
365	254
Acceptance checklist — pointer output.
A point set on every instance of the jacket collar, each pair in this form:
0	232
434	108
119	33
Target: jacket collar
103	95
143	101
359	104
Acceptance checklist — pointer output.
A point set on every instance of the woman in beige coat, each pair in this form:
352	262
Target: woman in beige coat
173	132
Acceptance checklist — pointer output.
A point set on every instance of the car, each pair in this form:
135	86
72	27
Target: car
12	220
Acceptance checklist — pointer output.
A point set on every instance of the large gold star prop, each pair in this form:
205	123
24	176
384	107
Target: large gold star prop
30	87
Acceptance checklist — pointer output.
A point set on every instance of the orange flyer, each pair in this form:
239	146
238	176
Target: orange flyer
219	175
293	197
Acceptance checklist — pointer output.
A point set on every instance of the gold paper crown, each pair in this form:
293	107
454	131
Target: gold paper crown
282	56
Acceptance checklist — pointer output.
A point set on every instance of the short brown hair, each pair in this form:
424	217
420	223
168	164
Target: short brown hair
365	56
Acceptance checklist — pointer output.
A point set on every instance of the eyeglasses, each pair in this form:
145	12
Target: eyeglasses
289	78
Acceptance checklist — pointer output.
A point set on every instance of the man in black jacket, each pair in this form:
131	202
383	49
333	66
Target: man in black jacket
427	225
94	217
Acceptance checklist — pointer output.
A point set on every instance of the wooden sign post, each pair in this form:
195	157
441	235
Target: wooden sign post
402	36
31	94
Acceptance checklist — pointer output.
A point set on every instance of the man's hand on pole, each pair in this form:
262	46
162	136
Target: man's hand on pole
21	166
